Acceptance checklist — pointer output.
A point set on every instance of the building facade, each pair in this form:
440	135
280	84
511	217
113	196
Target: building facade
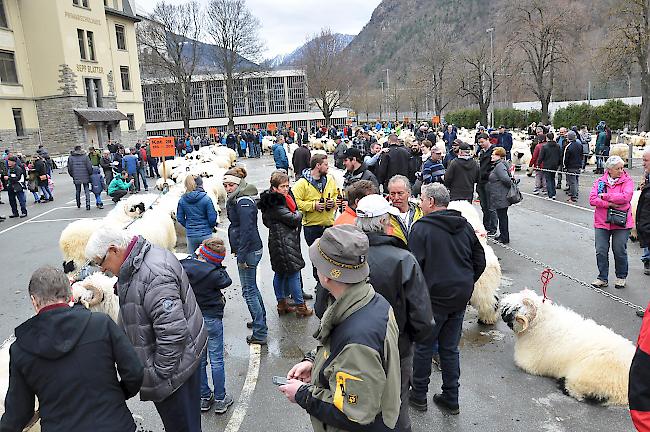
260	99
69	75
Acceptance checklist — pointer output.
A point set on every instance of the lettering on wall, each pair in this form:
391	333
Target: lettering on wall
90	68
78	17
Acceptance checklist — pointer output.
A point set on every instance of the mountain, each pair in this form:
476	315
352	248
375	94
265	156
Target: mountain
289	60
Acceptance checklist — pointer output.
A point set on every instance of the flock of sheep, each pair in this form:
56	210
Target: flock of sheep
591	360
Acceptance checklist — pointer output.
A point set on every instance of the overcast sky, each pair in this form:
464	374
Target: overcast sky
286	24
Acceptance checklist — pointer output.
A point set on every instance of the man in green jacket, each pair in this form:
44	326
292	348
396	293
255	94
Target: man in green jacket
119	186
352	380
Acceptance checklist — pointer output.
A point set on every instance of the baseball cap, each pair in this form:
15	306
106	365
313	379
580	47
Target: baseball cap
374	205
341	254
464	146
353	153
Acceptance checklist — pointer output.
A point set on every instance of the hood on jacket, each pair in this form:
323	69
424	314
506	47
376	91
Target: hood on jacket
96	170
195	196
318	184
270	200
54	333
77	153
465	164
450	220
381	239
244	189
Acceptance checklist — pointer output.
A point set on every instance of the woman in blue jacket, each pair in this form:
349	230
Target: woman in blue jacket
196	213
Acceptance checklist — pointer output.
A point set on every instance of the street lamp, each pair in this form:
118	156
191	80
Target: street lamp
491	32
382	99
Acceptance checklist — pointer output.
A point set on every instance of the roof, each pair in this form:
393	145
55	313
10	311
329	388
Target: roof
126	13
94	115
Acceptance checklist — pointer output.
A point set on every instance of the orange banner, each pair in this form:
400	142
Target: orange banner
272	127
435	119
162	147
213	131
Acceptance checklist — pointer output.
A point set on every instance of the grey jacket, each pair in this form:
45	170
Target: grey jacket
498	186
79	167
160	316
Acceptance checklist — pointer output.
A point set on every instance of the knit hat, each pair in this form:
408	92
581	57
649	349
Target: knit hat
341	254
210	255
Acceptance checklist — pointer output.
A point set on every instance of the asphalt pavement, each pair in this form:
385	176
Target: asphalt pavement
495	395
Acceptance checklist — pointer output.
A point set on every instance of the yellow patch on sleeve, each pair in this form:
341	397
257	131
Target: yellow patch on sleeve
340	393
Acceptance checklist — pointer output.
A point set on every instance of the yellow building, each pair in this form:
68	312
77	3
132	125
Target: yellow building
69	75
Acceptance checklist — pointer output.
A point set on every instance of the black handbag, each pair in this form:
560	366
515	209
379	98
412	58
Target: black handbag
617	217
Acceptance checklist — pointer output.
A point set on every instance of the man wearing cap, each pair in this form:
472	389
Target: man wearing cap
352	381
504	139
462	175
355	169
453	154
396	275
354	193
450	272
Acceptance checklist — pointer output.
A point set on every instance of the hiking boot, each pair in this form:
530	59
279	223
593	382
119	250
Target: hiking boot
619	284
416	403
303	311
221	405
13	216
646	267
306	296
441	401
206	404
599	283
249	324
254	341
284	307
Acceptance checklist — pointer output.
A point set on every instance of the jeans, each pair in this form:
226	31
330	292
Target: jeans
247	278
181	411
193	243
285	284
45	191
215	351
572	181
448	329
559	180
504	234
646	254
540	180
22	200
619	248
143	174
550	183
406	370
98	198
153	167
86	187
489	216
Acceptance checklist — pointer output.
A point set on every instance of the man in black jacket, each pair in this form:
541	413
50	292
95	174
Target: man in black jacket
485	167
550	157
452	259
396	275
15	178
394	161
300	159
355	169
643	214
462	175
572	162
80	169
69	358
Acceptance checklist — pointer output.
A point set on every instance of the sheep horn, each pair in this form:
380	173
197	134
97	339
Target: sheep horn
531	309
97	298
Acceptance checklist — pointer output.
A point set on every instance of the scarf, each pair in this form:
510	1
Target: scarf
291	204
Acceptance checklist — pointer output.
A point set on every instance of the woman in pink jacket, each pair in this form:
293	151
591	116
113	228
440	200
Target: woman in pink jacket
612	191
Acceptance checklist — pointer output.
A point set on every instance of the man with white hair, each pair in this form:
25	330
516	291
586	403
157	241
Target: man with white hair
642	218
399	190
160	316
452	259
396	275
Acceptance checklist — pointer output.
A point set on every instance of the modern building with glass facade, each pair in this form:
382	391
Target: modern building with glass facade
69	74
261	98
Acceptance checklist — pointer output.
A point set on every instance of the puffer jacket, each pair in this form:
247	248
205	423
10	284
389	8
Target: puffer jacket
79	167
280	157
161	318
97	182
499	185
196	213
243	235
619	194
284	232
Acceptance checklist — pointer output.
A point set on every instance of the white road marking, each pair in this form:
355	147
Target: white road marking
554	218
558	202
59	220
31	219
239	412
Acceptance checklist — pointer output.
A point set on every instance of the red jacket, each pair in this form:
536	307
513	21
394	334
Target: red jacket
639	387
533	159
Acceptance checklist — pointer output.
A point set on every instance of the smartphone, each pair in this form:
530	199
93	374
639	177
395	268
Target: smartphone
278	381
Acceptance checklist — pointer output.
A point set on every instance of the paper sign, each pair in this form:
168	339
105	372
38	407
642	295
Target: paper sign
162	147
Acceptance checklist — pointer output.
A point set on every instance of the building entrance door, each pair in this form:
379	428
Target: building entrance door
92	139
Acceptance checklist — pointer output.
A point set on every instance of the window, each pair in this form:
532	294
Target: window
216	99
198	101
83	3
82	44
91	45
154	108
18	121
8	73
275	88
239	97
126	80
3	15
297	93
93	92
130	118
120	37
256	96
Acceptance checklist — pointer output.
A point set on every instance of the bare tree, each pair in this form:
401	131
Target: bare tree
540	28
629	41
435	64
475	78
169	51
328	80
416	91
363	100
233	28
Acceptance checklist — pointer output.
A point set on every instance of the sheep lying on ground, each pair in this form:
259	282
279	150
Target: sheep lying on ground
96	293
590	361
484	298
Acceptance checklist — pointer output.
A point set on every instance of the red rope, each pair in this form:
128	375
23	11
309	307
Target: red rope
546	277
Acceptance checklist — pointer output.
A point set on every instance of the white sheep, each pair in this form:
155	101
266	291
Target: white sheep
589	360
484	298
97	293
157	227
520	153
73	240
621	150
161	183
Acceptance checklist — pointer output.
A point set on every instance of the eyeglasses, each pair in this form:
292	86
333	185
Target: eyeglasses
99	264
